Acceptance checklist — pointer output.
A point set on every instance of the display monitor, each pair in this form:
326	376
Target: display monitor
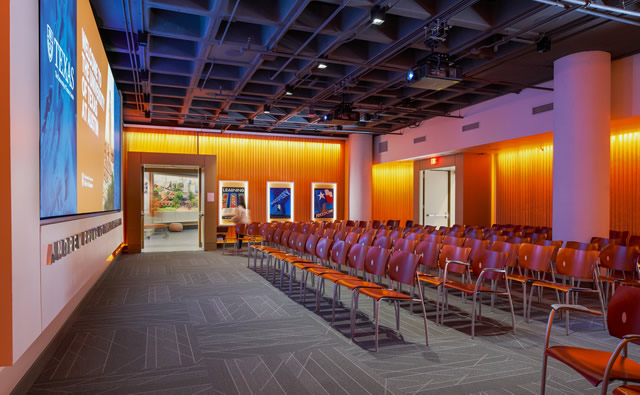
80	114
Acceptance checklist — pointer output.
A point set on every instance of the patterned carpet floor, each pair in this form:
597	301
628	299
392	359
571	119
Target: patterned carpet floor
204	323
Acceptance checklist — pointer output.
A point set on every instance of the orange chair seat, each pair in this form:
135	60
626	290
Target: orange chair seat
469	288
627	390
294	258
592	363
353	284
305	264
379	293
519	278
630	283
552	285
610	279
278	253
335	276
322	270
433	280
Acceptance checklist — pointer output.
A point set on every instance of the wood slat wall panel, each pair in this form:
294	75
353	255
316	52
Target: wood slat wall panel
524	186
392	187
257	160
625	180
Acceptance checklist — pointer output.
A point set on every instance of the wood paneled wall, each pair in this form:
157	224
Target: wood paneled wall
392	186
257	160
524	186
625	176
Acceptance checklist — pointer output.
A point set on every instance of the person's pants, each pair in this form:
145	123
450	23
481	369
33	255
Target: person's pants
239	242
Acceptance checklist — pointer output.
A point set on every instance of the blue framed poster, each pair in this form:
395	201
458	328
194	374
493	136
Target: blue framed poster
323	202
280	204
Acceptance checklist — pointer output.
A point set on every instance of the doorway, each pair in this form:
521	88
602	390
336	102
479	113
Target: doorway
437	196
172	208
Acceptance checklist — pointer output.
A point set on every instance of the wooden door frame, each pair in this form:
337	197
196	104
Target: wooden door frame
133	193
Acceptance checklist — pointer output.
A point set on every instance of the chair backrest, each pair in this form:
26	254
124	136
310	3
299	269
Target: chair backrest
619	258
510	249
357	255
301	242
293	240
395	235
310	244
579	264
376	261
433	238
576	245
405	245
339	252
341	235
284	239
375	224
536	257
403	266
475	245
414	236
408	224
323	248
264	230
602	242
241	229
329	233
428	252
623	314
382	242
253	229
634	241
518	240
454	241
305	228
270	233
367	238
278	235
352	237
454	253
619	234
488	259
495	237
350	223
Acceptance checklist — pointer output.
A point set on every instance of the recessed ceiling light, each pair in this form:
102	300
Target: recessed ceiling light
322	65
288	90
377	15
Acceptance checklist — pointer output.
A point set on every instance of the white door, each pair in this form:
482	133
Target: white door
435	197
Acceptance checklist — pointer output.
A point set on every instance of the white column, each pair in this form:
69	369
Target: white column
360	165
581	140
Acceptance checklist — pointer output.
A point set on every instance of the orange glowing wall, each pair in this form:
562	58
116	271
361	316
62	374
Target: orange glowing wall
6	315
392	187
524	186
257	160
625	175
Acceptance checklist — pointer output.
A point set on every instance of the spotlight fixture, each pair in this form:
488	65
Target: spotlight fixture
410	75
543	45
377	15
288	90
267	109
147	114
322	65
325	117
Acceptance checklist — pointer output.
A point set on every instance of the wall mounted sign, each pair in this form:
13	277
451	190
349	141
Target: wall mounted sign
61	248
280	203
324	201
231	194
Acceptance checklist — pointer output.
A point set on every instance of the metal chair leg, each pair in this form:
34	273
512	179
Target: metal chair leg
473	317
376	305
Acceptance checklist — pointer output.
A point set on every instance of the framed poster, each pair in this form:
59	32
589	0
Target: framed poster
231	194
280	201
323	205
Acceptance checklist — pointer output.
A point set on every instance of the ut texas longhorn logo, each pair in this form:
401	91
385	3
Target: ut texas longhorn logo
50	43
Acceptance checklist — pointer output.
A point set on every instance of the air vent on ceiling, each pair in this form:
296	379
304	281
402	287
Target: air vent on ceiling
419	139
542	108
471	126
383	146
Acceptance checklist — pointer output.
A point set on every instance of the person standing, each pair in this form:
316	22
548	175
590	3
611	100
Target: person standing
241	216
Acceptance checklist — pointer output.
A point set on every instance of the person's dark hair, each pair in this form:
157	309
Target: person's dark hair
241	202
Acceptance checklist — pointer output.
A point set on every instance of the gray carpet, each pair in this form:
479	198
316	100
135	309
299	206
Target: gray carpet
203	323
